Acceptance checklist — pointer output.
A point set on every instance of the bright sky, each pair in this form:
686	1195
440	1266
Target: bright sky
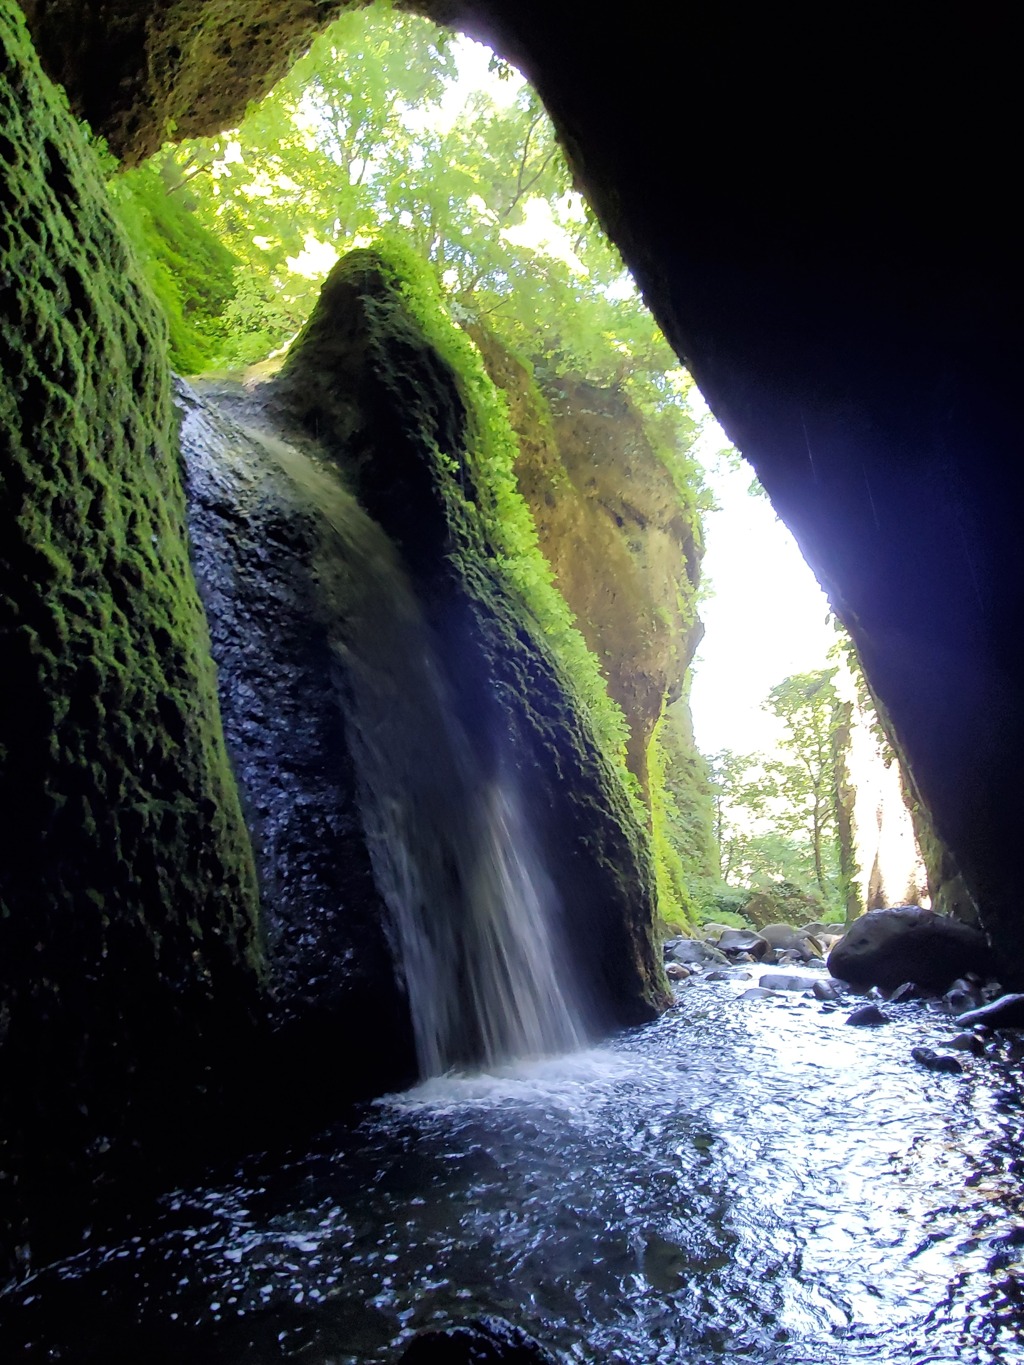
766	617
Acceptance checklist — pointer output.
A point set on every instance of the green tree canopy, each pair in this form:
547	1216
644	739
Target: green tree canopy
780	817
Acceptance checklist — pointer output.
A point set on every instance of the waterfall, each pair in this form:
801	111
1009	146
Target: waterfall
475	919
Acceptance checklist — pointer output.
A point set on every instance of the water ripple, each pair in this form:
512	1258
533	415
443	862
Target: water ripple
743	1179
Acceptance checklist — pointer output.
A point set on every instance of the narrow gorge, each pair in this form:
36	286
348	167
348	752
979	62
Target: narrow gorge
345	753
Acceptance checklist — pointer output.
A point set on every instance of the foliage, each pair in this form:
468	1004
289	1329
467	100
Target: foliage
360	134
778	817
475	205
188	268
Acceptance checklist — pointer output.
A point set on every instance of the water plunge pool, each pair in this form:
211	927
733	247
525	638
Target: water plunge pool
750	1180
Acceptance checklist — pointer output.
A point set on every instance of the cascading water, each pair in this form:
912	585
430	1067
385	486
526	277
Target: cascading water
475	917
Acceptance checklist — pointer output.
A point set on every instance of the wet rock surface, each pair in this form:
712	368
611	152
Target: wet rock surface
258	544
908	943
1006	1011
868	1016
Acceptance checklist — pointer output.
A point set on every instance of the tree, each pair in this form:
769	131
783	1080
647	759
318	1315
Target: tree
360	135
808	707
785	817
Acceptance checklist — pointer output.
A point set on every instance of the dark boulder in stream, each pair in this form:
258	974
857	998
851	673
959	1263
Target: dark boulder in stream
908	943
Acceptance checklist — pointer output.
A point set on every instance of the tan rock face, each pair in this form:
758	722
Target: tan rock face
624	549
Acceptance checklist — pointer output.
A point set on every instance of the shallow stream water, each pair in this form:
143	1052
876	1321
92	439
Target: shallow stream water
748	1180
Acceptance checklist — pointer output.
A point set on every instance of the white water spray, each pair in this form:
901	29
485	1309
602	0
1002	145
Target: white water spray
474	916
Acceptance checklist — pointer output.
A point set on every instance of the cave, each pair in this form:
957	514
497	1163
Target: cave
814	205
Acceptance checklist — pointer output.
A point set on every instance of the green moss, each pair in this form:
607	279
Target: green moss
191	273
507	522
127	877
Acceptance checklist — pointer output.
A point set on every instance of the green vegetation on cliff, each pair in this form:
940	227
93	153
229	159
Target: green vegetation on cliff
127	891
396	397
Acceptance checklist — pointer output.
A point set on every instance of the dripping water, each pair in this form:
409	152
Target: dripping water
474	915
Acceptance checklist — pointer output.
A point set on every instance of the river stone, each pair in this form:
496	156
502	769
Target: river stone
787	938
780	981
692	950
675	971
826	990
967	1042
755	993
484	1341
935	1061
868	1016
742	941
908	943
1006	1012
906	991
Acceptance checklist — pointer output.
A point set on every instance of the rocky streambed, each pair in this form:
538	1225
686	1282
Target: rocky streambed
743	1178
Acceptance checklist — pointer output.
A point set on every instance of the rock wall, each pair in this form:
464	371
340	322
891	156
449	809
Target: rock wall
128	936
268	560
366	382
622	539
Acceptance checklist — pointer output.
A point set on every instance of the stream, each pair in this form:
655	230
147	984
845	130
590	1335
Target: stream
749	1180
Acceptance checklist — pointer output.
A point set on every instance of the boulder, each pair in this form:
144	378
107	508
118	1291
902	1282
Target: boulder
787	938
907	943
691	950
742	941
1006	1012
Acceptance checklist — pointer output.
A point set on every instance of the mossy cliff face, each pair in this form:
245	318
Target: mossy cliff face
397	419
127	894
611	523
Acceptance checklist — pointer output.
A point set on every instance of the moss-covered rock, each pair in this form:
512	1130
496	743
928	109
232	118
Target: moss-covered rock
127	895
405	425
624	547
